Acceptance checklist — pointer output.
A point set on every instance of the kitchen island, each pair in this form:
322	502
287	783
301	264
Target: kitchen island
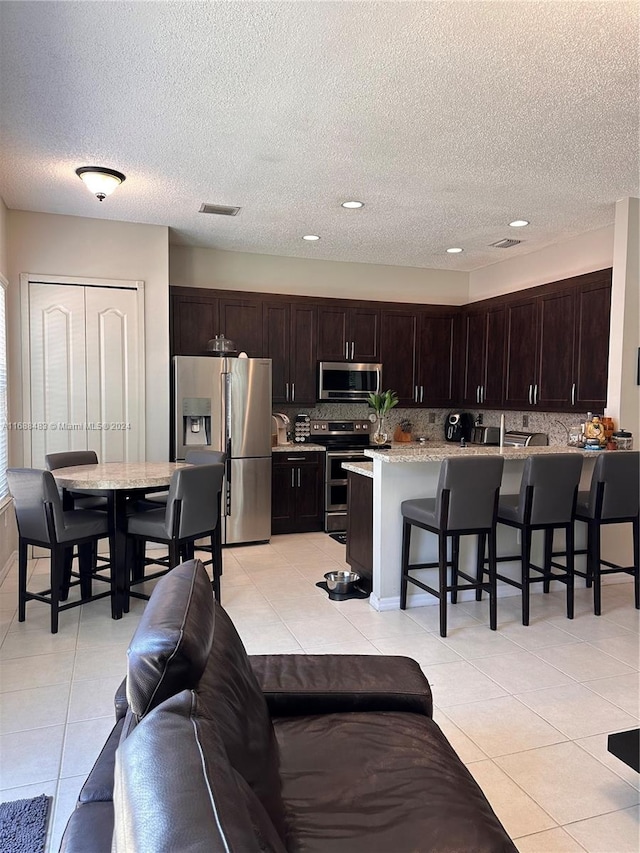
406	472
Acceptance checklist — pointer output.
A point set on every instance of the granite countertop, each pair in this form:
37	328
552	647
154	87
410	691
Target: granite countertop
296	448
436	451
117	475
364	468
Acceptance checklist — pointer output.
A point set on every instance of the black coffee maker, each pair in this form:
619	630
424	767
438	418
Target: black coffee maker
457	426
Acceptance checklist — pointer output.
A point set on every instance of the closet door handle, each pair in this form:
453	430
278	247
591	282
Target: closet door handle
573	394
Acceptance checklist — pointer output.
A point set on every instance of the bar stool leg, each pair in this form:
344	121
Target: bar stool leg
480	564
22	580
406	542
569	542
57	566
493	582
597	580
591	525
548	549
85	565
526	560
455	562
442	573
636	560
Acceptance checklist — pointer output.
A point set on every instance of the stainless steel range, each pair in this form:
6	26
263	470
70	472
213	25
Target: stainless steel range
345	442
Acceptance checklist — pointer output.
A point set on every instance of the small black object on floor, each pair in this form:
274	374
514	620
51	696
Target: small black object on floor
23	825
339	537
344	596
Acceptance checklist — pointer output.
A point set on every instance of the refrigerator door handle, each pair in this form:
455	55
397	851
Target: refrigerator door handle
226	396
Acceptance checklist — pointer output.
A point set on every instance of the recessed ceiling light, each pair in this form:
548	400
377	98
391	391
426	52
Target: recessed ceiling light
352	205
455	250
311	237
519	223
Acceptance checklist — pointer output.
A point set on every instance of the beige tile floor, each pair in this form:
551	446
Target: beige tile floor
527	709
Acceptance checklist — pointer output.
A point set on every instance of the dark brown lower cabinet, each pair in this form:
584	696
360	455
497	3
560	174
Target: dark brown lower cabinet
360	523
297	481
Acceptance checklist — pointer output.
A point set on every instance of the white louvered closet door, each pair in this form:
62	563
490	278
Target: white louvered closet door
58	370
86	372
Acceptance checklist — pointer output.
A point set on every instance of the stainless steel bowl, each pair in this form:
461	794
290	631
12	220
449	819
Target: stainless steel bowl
341	582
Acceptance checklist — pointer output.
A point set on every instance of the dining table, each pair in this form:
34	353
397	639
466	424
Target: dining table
120	482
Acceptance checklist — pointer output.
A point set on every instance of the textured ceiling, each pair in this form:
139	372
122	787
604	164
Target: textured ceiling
449	119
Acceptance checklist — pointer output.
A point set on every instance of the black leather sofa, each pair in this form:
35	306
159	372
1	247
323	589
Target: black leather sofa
214	750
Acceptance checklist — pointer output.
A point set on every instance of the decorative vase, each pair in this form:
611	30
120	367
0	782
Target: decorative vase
379	435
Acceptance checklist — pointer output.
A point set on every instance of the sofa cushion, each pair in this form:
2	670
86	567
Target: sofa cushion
229	694
89	829
170	648
376	782
175	789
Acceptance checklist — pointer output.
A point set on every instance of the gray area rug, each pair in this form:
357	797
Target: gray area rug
23	825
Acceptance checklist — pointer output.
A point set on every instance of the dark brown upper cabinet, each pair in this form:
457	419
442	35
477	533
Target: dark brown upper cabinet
194	320
591	361
349	333
436	361
483	357
521	320
289	340
240	320
398	335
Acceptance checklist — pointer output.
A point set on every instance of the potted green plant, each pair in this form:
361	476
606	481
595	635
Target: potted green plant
381	404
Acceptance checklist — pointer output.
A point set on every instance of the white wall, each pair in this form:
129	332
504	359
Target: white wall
50	244
584	253
4	265
197	267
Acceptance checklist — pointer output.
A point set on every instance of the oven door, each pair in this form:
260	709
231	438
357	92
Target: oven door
345	381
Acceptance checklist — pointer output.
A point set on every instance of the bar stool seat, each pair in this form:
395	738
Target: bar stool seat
546	502
466	502
614	498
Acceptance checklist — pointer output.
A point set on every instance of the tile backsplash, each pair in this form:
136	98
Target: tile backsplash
555	424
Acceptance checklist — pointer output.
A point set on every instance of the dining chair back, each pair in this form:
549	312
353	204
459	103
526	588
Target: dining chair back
43	522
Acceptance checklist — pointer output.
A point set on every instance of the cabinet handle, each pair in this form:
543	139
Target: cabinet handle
346	350
286	391
292	478
421	393
353	346
530	394
477	393
535	395
293	392
295	458
415	395
299	469
573	394
482	393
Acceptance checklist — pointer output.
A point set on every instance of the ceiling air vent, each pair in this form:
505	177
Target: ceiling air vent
222	210
505	244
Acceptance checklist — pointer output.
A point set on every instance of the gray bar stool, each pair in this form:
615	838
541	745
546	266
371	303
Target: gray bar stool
547	502
43	522
466	502
612	499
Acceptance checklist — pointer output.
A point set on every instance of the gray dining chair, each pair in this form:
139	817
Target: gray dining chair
192	457
43	522
192	512
70	458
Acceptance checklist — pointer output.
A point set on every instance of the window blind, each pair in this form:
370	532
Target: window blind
4	433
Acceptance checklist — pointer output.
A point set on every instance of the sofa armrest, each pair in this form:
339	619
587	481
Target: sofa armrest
296	685
99	784
120	700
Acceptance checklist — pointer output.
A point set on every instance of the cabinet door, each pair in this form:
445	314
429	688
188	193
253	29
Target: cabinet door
276	346
436	365
303	363
309	496
592	346
474	343
555	350
360	523
492	393
398	354
522	327
332	334
282	496
194	321
364	334
241	321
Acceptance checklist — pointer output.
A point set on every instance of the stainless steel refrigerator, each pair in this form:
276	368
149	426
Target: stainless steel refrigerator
225	404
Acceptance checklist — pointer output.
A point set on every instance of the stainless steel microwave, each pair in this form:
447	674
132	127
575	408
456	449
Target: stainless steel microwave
347	381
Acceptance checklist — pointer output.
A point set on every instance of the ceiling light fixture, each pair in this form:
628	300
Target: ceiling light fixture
352	205
519	223
455	250
100	181
311	237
